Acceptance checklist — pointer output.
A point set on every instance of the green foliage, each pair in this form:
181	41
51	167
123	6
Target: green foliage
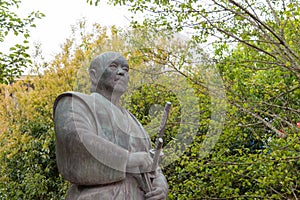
13	63
262	175
255	48
257	154
27	153
147	103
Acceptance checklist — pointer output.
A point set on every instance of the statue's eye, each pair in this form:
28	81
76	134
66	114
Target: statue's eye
125	68
113	65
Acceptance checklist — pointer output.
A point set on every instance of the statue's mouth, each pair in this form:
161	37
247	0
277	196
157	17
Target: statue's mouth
121	80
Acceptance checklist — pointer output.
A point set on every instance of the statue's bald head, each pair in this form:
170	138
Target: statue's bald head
98	66
104	60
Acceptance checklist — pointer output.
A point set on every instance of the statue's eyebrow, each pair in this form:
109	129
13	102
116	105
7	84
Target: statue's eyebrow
123	65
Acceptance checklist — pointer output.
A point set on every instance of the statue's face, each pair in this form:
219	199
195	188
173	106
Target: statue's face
115	76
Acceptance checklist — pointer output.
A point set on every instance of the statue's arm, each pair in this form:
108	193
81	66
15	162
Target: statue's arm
83	157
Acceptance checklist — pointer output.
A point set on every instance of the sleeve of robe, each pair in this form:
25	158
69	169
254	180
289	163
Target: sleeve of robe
84	158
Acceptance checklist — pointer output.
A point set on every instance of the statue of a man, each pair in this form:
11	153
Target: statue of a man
101	148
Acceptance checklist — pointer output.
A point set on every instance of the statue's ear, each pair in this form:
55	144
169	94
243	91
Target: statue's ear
93	76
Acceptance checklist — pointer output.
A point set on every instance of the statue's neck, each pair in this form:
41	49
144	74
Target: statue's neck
114	97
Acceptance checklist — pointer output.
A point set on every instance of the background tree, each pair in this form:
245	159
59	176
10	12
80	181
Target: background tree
249	161
28	167
254	45
255	37
13	63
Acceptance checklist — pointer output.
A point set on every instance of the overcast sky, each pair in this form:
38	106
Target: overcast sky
55	27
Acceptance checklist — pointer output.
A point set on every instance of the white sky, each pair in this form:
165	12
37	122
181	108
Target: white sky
55	27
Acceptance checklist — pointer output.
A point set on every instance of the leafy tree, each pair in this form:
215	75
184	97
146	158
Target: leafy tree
256	35
28	167
13	63
255	47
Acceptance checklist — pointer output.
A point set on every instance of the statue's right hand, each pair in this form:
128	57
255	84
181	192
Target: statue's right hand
139	162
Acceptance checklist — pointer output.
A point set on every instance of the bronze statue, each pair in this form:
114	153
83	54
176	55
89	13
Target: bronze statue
101	148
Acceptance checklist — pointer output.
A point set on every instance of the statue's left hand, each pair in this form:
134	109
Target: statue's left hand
159	187
156	194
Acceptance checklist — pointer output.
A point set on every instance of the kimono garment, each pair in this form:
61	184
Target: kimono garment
93	140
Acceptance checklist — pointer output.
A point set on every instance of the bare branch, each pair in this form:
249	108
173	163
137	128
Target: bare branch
281	40
267	124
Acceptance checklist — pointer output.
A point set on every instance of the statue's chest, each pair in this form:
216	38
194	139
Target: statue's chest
121	128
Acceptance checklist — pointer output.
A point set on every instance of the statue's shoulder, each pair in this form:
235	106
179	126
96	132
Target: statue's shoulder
76	95
73	94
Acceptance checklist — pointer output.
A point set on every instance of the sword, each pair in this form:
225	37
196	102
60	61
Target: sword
149	176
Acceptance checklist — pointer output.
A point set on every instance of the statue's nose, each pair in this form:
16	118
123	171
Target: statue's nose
120	71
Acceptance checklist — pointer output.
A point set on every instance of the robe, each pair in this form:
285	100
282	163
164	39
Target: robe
93	140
